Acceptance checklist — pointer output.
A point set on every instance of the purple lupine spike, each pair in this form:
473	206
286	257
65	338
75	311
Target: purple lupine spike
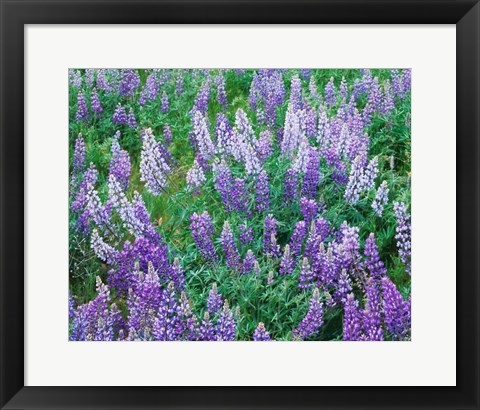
153	165
95	102
388	103
306	275
355	183
292	133
224	135
313	320
296	100
104	252
225	329
312	175
264	146
90	178
322	228
206	330
202	136
119	115
98	213
270	247
298	236
131	120
351	319
202	231
396	311
129	83
164	102
311	123
186	327
82	110
312	88
167	135
195	176
301	159
263	192
330	93
290	193
406	80
371	171
246	234
249	263
309	209
344	286
120	165
287	264
75	77
381	198
374	264
221	93
79	155
372	314
305	73
270	278
224	185
343	89
151	88
179	83
215	300
178	274
403	233
201	100
229	247
261	334
239	196
165	326
313	241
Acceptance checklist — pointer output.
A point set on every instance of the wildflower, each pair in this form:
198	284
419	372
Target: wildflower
261	334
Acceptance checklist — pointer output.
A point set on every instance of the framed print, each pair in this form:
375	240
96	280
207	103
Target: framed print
203	177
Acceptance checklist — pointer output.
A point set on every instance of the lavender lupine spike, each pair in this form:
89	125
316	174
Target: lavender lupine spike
330	93
195	176
355	182
344	286
164	102
221	93
372	314
270	247
120	165
343	89
291	190
225	329
179	83
224	185
201	100
202	136
131	120
95	102
166	323
202	231
261	334
79	155
309	209
215	300
371	171
246	234
292	133
239	196
396	311
82	110
313	320
287	264
298	236
263	192
103	251
151	88
167	135
249	263
381	198
312	88
75	77
153	166
296	100
351	319
129	83
229	247
306	275
119	115
98	213
403	233
224	135
312	175
264	146
206	330
373	262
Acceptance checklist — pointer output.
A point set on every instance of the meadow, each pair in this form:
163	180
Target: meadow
239	204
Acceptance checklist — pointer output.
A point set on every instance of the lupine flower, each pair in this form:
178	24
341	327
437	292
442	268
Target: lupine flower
120	166
167	134
201	101
403	233
167	321
239	196
221	93
312	175
371	171
202	231
103	251
131	120
343	89
79	155
129	83
291	186
381	198
179	83
261	334
263	192
270	247
292	133
151	88
202	136
311	123
153	165
246	234
164	107
330	93
215	301
82	110
306	275
224	185
372	314
313	320
351	319
119	115
298	236
309	209
264	146
249	263
343	288
225	329
206	331
95	102
270	278
355	182
372	259
75	78
296	100
396	310
229	247
287	264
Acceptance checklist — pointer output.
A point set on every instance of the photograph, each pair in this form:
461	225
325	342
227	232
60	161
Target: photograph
239	204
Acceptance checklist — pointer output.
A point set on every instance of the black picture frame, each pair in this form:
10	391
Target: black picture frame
15	14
